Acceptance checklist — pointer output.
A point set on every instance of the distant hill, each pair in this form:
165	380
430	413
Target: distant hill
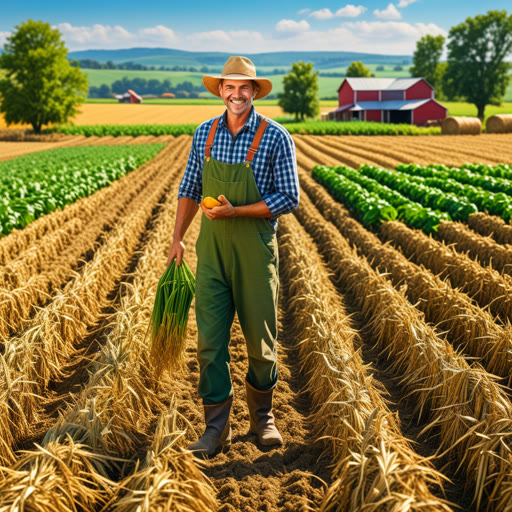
169	57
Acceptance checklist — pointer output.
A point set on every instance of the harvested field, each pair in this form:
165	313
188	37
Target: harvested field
391	370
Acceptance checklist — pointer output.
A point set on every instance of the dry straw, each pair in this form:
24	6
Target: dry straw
469	413
491	225
485	285
499	123
479	247
461	126
469	327
17	304
115	409
170	478
374	465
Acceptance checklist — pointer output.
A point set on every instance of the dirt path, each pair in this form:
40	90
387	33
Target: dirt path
250	477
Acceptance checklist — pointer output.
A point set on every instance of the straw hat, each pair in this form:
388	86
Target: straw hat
238	68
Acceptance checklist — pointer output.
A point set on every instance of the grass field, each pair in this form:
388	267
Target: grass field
327	85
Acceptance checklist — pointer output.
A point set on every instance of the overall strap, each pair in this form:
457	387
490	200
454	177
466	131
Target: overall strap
211	136
256	141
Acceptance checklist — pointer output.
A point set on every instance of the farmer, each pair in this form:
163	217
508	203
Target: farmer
248	163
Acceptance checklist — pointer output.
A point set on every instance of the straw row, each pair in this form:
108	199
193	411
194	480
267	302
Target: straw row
169	479
482	248
469	413
469	327
361	155
116	408
491	225
17	305
484	285
375	467
31	360
12	246
62	246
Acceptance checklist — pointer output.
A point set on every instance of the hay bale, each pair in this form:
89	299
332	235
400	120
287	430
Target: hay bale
461	126
499	123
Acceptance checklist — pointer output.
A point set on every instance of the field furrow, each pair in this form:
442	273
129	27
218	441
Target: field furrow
362	156
407	151
350	414
23	289
484	285
482	248
394	348
469	327
452	395
39	354
491	226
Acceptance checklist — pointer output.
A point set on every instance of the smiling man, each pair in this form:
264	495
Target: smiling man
248	163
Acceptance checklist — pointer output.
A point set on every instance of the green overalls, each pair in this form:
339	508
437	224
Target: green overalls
237	269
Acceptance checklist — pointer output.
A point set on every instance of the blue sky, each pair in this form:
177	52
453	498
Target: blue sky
246	27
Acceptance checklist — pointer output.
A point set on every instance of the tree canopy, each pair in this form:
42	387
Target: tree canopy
426	61
41	86
358	69
300	91
477	49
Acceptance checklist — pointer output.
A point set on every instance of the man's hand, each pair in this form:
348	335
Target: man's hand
225	211
177	251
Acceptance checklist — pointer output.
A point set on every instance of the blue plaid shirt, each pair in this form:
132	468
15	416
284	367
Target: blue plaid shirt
274	166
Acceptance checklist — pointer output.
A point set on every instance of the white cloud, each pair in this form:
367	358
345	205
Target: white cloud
405	3
160	34
390	13
303	11
378	36
351	11
220	36
108	37
292	26
322	14
3	38
391	30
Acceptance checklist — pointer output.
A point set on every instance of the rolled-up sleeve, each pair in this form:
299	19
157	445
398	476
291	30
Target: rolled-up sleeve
285	196
191	183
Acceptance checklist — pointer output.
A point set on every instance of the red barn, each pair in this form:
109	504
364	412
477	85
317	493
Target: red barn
128	97
388	100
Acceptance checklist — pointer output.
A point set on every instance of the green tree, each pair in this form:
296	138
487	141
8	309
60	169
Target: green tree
426	61
300	91
41	86
358	69
476	69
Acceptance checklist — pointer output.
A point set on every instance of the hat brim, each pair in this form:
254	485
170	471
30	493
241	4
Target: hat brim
212	84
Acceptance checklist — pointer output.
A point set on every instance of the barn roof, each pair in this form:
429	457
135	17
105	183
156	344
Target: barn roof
389	105
381	84
134	94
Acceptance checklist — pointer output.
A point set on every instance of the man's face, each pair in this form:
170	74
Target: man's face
237	95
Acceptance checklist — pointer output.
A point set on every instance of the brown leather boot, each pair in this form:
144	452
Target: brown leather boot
217	435
261	417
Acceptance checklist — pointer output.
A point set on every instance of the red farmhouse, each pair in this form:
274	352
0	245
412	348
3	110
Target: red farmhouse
388	100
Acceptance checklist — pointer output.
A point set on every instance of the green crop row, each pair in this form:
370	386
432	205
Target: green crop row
38	183
306	128
341	181
410	212
369	208
119	130
467	185
457	206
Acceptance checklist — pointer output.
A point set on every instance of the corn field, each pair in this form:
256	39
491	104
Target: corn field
394	349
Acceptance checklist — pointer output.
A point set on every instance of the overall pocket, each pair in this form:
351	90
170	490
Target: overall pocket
234	191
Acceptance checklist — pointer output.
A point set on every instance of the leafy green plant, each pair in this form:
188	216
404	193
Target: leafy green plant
38	183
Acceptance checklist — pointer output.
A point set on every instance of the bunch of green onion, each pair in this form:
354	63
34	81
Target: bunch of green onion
169	319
